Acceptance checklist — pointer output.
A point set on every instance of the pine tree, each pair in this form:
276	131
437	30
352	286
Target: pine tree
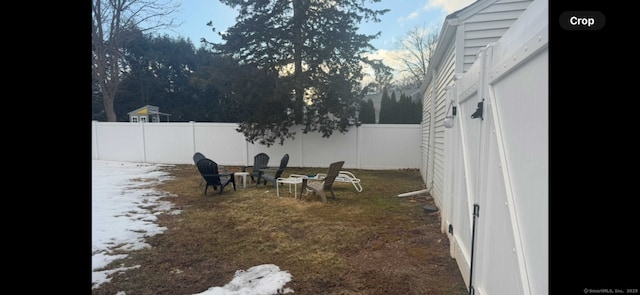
405	110
395	116
385	108
368	113
313	54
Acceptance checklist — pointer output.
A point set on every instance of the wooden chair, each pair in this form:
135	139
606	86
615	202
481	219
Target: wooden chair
272	174
324	184
209	171
260	161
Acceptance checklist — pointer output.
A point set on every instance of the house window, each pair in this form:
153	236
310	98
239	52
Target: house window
134	119
143	119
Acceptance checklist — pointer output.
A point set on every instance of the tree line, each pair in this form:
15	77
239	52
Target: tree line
283	64
173	74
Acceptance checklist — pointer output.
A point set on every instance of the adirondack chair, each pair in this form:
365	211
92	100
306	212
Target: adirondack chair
321	185
260	161
209	171
197	157
270	175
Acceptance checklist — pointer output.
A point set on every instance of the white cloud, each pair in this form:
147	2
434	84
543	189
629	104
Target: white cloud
413	15
390	58
448	6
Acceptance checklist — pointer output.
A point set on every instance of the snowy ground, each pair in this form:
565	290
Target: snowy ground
124	209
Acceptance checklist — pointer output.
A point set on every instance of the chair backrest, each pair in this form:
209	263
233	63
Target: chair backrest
197	157
209	171
334	170
283	164
260	161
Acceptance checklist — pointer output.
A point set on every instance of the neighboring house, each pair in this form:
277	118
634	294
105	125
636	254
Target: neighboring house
487	166
147	113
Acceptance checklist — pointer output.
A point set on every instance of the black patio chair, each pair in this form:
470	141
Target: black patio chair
197	157
260	161
209	171
272	174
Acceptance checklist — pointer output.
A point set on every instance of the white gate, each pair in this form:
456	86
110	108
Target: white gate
495	204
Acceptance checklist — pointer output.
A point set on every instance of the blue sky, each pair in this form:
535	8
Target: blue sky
403	16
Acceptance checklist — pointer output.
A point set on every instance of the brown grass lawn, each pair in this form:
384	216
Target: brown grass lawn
371	242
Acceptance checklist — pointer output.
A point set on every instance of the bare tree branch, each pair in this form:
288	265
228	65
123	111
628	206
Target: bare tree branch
418	47
112	23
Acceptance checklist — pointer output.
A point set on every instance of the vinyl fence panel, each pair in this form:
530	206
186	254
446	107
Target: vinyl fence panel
364	147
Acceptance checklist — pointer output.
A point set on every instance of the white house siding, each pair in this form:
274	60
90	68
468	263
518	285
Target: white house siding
442	81
425	132
487	25
481	23
435	108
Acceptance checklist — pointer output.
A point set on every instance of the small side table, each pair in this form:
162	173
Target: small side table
244	178
289	181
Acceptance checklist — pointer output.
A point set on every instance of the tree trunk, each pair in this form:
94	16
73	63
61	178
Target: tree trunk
298	20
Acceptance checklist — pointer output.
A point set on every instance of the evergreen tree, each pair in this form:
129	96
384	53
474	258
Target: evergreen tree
386	108
311	57
417	112
368	113
394	111
171	74
405	110
159	73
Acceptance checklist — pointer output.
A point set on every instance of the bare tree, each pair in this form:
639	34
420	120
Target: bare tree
418	47
113	23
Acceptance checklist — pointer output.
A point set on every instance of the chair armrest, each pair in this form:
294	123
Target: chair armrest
347	174
220	174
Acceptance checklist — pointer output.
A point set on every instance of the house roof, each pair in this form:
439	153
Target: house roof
147	110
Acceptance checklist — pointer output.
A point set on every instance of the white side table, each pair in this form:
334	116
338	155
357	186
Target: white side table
289	181
244	178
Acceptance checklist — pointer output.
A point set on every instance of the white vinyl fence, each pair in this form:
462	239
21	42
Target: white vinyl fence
369	146
495	204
